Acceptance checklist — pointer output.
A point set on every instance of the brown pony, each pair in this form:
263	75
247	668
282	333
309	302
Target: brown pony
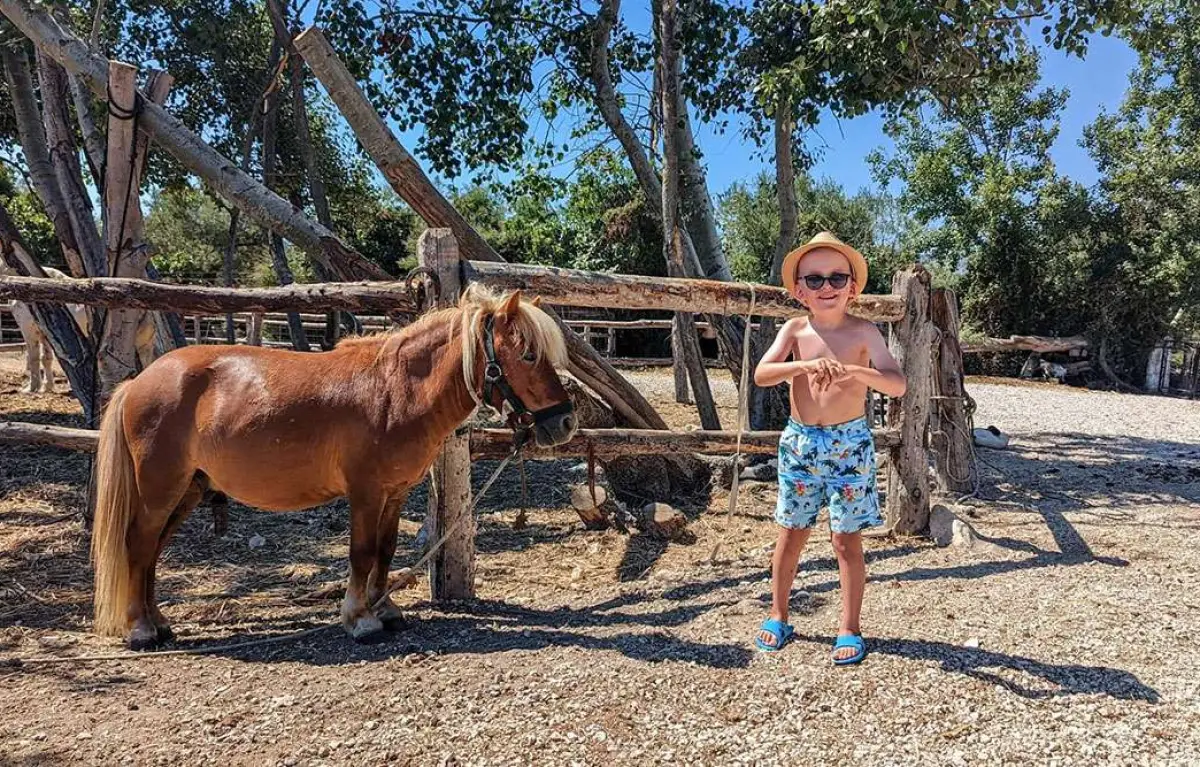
283	430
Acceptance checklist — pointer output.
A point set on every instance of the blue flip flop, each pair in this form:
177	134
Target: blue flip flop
776	628
850	640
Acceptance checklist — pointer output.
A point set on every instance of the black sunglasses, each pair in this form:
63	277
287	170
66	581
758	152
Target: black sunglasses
837	280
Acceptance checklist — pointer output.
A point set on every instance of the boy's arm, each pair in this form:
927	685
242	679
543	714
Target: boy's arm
774	368
885	376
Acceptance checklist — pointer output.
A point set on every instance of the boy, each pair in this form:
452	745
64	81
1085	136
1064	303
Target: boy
826	454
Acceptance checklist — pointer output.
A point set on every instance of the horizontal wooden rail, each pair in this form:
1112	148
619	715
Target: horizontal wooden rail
569	287
656	362
142	294
1045	344
496	443
565	287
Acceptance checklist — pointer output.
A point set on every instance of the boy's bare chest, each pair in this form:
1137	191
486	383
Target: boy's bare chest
845	346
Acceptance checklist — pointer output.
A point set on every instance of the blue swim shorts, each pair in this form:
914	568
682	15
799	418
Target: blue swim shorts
828	466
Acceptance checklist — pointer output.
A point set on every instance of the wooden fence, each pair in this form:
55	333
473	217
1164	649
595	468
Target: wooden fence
903	438
908	308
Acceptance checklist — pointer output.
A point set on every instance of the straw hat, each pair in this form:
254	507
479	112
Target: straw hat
858	264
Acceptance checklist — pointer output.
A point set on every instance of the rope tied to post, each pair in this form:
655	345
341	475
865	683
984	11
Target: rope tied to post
743	401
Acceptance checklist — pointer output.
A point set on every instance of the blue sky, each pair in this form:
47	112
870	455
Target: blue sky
1095	82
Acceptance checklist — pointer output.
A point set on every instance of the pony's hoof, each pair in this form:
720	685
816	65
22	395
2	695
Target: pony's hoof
394	623
366	629
143	639
390	616
165	634
375	637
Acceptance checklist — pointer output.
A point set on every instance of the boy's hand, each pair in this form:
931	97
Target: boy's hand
825	372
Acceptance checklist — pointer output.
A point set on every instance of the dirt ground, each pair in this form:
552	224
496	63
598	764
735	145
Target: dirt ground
1065	635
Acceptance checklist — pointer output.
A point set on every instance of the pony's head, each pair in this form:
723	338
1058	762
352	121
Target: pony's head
511	349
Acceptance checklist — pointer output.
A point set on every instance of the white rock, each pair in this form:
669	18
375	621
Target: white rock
972	643
257	541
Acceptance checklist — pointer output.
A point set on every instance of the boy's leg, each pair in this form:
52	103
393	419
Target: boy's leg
788	548
852	573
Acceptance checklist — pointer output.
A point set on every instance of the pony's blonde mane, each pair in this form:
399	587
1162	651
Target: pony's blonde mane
540	334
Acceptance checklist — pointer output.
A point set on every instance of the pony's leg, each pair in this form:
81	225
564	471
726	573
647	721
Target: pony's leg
357	618
190	500
385	549
144	540
33	364
47	367
143	543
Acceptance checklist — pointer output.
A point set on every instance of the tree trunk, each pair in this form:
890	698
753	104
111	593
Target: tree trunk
257	109
393	160
316	184
168	325
688	346
64	158
71	347
257	202
283	271
729	329
770	407
699	215
632	469
678	363
37	155
93	142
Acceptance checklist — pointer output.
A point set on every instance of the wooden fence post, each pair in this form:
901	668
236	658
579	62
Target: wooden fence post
951	442
912	346
126	255
452	569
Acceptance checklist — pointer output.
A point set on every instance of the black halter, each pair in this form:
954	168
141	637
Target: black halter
522	420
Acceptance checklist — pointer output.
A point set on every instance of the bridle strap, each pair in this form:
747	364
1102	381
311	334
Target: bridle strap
522	420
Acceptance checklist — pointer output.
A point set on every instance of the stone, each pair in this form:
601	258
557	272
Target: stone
257	541
947	529
763	472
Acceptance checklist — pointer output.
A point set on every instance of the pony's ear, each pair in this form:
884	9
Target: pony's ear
537	301
512	306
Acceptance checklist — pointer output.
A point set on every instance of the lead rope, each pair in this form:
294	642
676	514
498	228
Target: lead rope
743	400
467	516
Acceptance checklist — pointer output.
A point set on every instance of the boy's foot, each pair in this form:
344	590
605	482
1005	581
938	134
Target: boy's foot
849	649
773	635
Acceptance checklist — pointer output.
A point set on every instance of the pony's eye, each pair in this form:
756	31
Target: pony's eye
529	357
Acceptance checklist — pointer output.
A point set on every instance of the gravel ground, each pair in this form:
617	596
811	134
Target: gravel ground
1064	636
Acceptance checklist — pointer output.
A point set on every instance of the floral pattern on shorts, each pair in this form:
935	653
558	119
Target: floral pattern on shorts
828	466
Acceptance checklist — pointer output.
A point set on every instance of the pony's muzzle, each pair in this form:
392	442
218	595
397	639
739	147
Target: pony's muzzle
556	429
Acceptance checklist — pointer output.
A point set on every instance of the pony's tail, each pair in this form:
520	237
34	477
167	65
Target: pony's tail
117	503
